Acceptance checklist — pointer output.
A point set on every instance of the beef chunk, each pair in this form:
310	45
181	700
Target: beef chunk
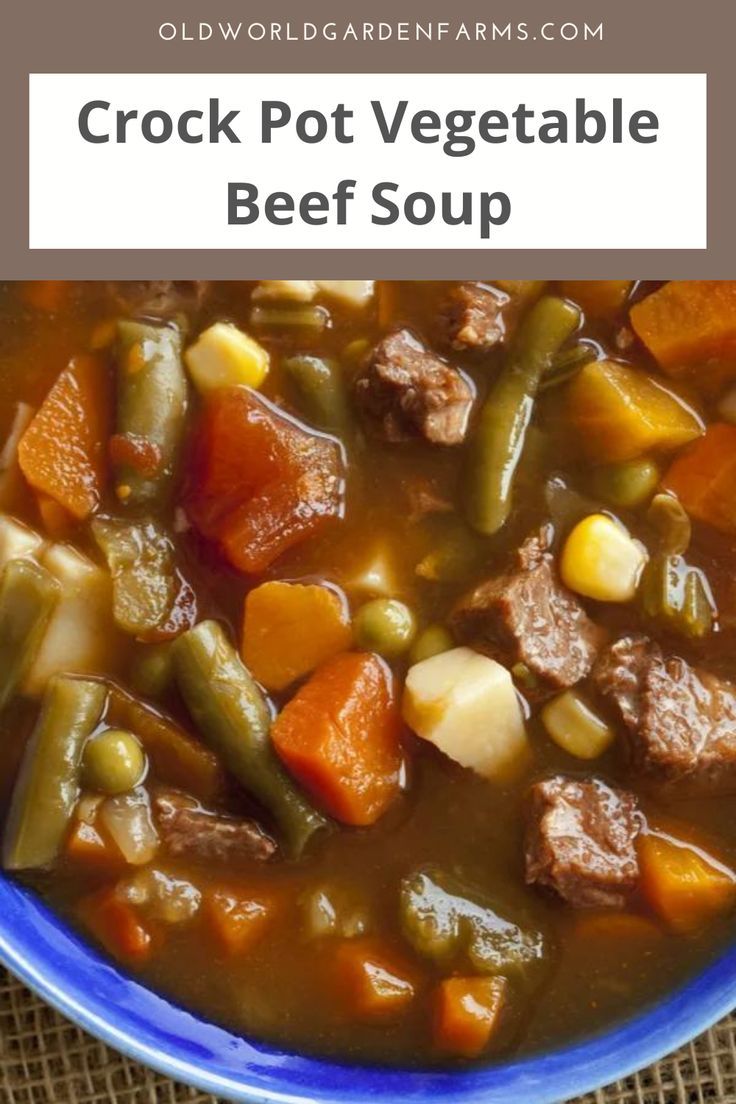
188	829
474	317
680	721
159	298
580	841
409	391
528	616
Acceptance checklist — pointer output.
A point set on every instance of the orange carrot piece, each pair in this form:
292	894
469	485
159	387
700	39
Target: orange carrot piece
691	324
291	628
117	926
176	757
372	982
467	1012
704	478
618	927
237	919
682	884
597	298
340	737
55	519
62	453
45	295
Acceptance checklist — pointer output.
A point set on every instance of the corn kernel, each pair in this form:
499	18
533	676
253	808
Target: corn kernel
601	560
223	356
575	727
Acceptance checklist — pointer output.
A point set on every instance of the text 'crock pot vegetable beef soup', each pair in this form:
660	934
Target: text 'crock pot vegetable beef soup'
368	665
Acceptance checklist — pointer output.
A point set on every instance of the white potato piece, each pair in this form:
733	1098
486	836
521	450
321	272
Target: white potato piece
80	634
295	291
466	705
356	293
17	541
224	356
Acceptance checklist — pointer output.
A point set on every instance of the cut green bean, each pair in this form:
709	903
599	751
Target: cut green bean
28	596
152	670
233	718
628	484
431	641
670	520
151	411
145	585
677	595
47	787
321	390
498	442
567	364
304	318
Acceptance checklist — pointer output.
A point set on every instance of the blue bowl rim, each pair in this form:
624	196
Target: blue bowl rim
39	948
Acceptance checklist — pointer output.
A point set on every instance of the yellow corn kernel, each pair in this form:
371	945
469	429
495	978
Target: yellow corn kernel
601	560
223	356
575	727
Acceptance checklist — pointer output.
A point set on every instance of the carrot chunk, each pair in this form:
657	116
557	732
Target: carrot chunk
289	629
372	983
340	737
597	298
682	884
704	478
62	453
237	919
467	1012
260	482
690	324
116	925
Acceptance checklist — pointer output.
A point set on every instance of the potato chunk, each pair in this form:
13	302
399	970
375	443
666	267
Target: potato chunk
466	705
620	414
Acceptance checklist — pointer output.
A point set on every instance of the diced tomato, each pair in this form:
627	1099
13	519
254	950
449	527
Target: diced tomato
260	482
340	737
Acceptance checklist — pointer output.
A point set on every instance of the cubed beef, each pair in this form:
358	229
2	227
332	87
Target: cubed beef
159	298
680	720
474	317
187	828
407	391
580	841
527	616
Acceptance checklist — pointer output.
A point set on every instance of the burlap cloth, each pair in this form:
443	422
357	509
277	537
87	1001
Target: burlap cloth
44	1059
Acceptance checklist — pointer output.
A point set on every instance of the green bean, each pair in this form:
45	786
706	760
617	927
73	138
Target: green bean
47	787
567	364
114	762
449	922
152	670
145	585
496	448
151	410
384	625
305	318
678	595
233	718
627	485
321	390
431	642
670	520
28	596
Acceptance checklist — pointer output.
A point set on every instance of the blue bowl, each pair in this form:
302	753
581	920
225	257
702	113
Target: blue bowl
41	950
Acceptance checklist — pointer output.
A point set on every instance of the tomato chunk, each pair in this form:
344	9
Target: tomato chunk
340	737
260	482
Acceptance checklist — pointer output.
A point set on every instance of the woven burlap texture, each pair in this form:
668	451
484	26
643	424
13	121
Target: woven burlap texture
44	1059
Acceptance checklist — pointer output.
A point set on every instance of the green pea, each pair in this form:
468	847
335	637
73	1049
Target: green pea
152	671
430	642
629	484
384	625
114	761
